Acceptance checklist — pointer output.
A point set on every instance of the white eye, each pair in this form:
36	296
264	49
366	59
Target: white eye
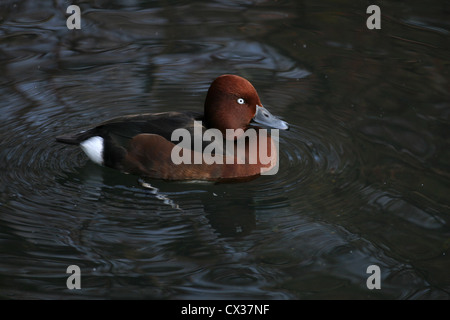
240	101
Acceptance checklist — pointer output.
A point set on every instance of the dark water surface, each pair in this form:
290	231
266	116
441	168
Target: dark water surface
364	173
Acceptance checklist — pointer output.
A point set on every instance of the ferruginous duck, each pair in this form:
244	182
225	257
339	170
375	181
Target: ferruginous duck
221	144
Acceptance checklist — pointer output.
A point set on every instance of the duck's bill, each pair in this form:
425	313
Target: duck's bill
264	117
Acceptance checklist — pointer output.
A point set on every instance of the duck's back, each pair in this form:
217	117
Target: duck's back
107	143
122	129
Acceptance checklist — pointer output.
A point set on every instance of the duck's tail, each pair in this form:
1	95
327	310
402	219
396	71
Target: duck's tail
75	138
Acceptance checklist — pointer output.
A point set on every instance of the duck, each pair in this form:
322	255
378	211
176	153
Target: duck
144	145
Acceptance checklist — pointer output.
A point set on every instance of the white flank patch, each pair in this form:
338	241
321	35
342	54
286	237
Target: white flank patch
93	147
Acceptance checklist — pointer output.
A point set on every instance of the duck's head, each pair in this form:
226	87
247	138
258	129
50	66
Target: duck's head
233	103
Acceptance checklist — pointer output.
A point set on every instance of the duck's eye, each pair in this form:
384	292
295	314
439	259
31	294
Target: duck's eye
240	101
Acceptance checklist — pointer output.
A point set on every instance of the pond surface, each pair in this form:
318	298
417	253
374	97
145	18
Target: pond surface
364	176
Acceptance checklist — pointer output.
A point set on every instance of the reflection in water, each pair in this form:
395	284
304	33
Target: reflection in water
166	200
363	177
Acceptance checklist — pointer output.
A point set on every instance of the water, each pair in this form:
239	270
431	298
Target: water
364	171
